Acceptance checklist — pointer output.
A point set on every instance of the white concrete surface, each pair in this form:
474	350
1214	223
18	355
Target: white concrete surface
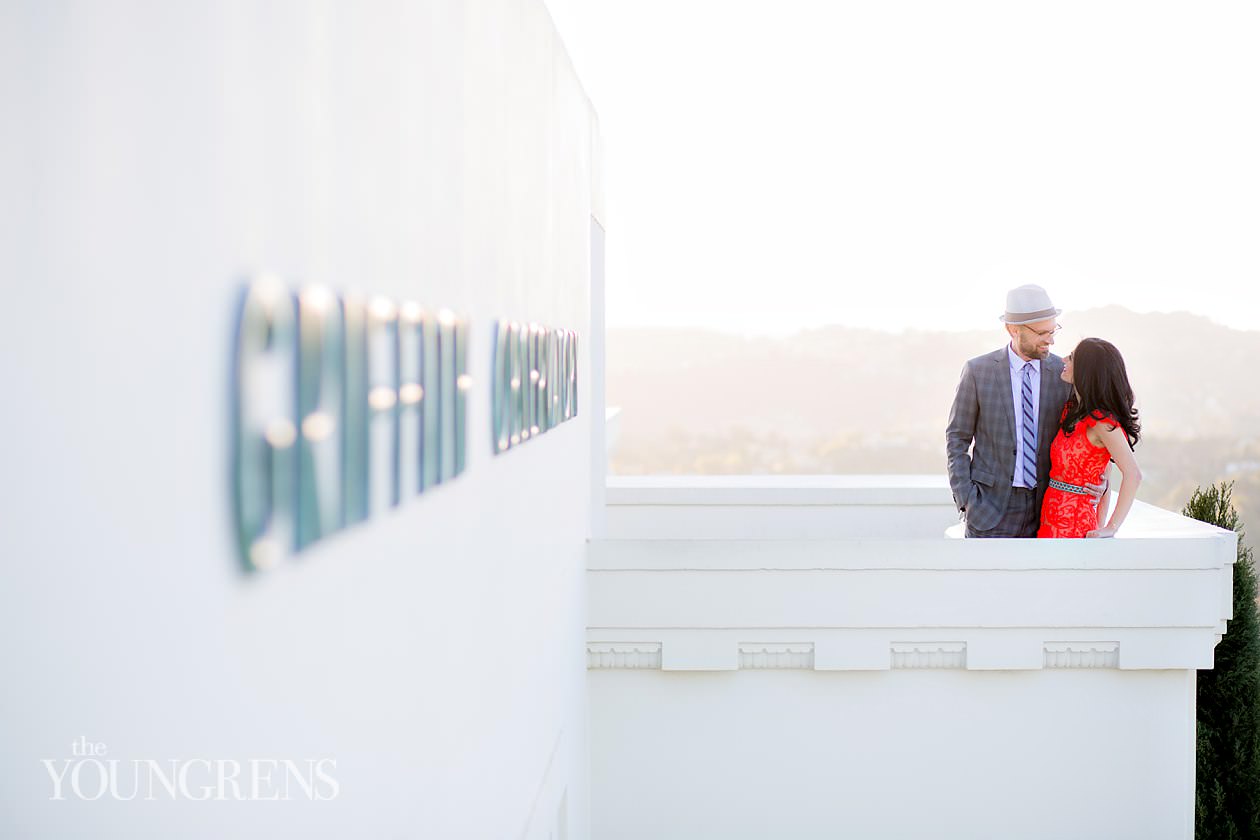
778	506
1085	754
154	156
921	686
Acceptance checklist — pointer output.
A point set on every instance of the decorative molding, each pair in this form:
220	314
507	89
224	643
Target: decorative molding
775	655
1082	655
758	656
608	655
929	654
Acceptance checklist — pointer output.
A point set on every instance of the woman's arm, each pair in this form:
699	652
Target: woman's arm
1104	498
1130	477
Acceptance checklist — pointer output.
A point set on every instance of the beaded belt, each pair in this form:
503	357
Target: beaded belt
1068	488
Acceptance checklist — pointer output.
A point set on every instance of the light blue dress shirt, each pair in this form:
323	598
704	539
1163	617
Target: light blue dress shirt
1017	399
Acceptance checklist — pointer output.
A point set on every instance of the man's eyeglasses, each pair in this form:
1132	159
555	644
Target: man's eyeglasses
1042	333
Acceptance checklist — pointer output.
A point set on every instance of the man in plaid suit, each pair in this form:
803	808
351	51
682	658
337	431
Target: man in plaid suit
1005	414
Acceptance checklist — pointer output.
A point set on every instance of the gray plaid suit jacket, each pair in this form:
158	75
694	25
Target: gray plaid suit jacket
980	438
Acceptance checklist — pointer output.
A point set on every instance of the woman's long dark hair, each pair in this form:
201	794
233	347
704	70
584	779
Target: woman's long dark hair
1102	388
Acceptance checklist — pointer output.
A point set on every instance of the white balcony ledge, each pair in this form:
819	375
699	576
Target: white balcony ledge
978	680
808	561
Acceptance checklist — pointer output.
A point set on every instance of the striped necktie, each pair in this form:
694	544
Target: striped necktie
1029	430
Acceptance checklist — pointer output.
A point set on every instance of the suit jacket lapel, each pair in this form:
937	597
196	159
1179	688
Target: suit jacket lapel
1051	406
1003	373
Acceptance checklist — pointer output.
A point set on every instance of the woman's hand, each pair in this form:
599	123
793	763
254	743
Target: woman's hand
1100	533
1097	491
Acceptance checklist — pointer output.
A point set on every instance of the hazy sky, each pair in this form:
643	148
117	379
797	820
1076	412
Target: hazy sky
775	166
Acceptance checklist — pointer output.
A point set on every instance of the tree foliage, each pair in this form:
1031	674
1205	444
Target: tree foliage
1227	796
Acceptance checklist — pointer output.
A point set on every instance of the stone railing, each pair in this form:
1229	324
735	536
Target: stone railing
831	582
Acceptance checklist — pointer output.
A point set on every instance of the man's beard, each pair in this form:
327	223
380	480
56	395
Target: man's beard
1031	351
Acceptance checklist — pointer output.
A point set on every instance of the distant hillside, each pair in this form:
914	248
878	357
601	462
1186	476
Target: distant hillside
838	399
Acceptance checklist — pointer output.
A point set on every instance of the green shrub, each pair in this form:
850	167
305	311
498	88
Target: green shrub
1227	795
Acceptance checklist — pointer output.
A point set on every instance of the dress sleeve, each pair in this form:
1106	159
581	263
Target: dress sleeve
1096	417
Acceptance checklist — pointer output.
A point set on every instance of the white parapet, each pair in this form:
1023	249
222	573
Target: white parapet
1068	664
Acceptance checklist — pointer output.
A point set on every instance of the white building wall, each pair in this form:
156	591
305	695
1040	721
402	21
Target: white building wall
751	754
154	156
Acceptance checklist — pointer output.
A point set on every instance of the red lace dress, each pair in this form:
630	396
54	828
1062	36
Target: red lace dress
1074	460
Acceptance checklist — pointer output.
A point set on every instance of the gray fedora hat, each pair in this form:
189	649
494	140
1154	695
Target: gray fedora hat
1028	305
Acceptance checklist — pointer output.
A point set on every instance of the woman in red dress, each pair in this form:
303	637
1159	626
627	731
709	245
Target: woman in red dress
1099	425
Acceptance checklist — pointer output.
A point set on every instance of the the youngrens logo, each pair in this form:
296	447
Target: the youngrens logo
91	775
